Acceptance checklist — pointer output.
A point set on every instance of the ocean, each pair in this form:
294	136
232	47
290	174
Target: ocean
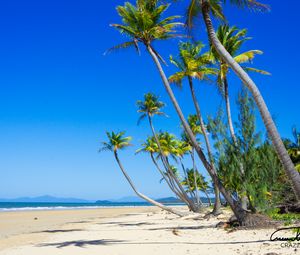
19	206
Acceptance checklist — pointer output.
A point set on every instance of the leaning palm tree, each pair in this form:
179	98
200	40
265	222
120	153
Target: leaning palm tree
214	7
116	142
232	39
148	108
143	23
199	179
181	149
150	146
194	65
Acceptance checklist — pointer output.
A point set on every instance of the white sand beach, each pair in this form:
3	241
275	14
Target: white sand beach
119	231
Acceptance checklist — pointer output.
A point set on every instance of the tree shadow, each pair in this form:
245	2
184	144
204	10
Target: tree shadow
184	228
80	222
81	243
135	224
85	243
60	231
199	243
110	223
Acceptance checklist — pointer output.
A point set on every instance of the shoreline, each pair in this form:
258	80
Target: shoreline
16	223
117	231
72	206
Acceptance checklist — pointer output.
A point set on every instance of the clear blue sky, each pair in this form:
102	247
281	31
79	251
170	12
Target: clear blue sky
59	93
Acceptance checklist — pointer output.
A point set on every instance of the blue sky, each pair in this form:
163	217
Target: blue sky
59	93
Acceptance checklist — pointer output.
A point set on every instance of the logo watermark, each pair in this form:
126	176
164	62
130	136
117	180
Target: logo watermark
289	237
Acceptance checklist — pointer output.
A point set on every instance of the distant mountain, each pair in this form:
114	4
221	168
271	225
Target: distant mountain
129	199
45	199
103	202
169	200
133	199
165	200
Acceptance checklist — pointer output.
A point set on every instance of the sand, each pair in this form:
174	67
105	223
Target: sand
122	231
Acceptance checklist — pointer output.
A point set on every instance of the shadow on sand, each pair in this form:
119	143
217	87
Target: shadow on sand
54	231
85	243
81	243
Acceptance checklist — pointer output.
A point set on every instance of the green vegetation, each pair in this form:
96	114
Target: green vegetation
251	173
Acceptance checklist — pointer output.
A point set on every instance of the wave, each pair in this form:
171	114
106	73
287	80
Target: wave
41	208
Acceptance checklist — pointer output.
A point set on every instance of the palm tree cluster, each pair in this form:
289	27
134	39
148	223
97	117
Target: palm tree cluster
145	22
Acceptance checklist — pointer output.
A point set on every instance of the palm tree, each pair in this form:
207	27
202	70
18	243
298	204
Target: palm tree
208	7
183	148
192	64
143	23
149	107
116	142
197	127
150	146
198	179
232	39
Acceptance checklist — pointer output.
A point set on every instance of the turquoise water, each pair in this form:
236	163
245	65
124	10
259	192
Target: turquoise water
13	206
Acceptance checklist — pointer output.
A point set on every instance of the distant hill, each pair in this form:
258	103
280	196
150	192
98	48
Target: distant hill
165	200
45	199
130	199
169	200
103	202
133	199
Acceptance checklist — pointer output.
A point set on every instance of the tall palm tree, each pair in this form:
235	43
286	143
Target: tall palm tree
194	65
214	7
232	39
116	142
183	148
197	127
149	107
144	23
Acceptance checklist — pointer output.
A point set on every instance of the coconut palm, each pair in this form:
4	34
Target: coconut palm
150	146
183	148
214	7
143	23
116	142
232	39
194	65
149	107
199	179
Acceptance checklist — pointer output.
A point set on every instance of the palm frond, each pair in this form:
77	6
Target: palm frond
123	46
251	69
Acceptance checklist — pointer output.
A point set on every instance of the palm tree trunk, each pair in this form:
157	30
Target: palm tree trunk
187	180
195	177
192	192
207	196
244	199
287	163
238	211
166	164
151	201
171	186
228	111
217	204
